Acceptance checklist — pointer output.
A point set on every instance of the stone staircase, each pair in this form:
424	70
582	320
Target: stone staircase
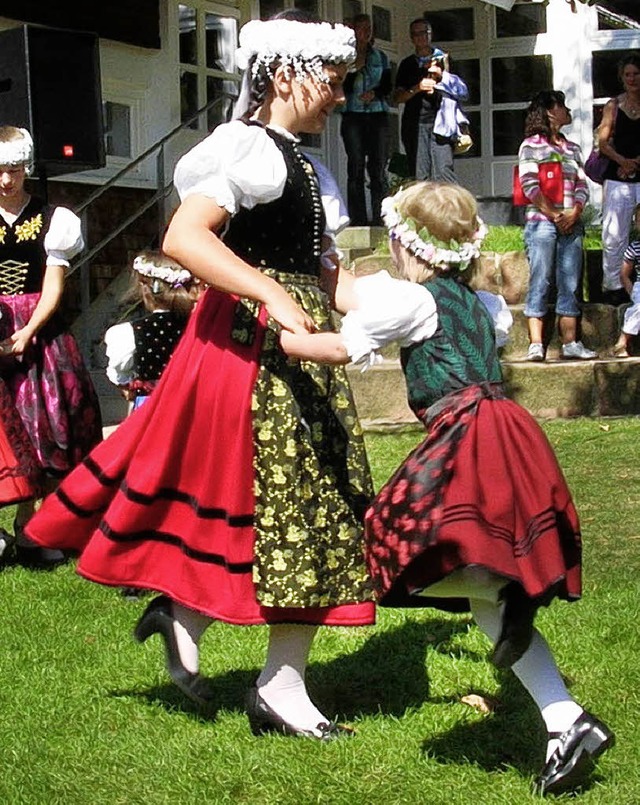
607	386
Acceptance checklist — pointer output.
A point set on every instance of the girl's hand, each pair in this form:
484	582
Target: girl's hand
19	342
566	220
281	307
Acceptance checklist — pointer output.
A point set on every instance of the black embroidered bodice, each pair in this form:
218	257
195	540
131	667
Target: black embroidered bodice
155	338
22	255
285	234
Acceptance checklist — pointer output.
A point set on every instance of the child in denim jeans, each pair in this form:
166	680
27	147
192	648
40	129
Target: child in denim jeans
553	229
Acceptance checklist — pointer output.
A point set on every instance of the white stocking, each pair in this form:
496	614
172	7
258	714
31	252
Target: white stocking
188	627
281	683
537	671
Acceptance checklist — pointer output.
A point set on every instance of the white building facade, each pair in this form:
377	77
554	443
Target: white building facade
505	50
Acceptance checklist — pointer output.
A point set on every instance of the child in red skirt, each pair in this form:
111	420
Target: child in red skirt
238	489
479	515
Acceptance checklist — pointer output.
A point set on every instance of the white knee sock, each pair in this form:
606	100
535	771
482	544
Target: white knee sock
281	682
537	671
188	627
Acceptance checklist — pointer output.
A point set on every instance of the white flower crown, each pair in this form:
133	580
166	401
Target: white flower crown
420	242
17	152
304	46
172	276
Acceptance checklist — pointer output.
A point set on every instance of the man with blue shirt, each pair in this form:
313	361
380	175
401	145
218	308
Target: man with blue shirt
364	126
431	118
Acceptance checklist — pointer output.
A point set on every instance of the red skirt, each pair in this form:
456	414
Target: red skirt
167	502
493	496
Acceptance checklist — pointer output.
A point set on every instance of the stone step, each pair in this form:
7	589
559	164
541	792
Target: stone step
553	389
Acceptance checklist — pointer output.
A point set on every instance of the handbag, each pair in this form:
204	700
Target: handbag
551	184
464	142
596	166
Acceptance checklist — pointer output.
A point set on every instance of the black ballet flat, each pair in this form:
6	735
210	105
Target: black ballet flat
263	719
157	618
517	626
37	558
572	761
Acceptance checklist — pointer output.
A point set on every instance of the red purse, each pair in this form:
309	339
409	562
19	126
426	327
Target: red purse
551	184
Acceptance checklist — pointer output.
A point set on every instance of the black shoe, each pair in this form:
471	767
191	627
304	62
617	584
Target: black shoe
36	558
585	740
517	626
158	618
263	719
133	593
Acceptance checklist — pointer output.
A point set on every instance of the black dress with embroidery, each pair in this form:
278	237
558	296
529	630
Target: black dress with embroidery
49	386
239	487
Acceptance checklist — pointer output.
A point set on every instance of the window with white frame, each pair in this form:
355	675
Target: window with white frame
208	37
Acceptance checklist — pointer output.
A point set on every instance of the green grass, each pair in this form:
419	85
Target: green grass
88	716
503	239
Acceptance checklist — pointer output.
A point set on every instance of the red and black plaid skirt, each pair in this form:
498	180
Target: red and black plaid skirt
484	488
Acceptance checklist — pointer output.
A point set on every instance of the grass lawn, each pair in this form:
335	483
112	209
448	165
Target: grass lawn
88	716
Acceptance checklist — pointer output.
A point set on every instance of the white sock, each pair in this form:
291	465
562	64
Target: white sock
188	627
281	682
538	672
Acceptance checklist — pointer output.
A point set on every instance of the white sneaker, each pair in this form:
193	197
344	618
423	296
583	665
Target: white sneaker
536	352
576	350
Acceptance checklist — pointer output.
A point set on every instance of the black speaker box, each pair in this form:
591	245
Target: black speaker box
50	85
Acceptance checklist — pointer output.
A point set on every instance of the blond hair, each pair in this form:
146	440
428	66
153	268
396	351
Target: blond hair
448	212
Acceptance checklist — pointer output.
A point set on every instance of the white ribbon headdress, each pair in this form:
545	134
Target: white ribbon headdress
172	276
18	152
304	46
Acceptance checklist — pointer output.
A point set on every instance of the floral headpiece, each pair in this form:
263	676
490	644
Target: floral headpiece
420	242
18	152
172	276
304	46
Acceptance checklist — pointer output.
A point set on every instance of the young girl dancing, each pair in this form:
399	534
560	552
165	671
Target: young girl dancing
238	489
479	511
138	351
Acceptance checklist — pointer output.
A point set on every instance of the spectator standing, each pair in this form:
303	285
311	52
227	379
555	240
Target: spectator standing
619	140
431	118
365	124
553	229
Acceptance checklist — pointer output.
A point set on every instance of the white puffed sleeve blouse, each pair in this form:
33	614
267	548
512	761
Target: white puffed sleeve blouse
240	166
64	237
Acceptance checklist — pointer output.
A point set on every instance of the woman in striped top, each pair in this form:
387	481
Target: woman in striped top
553	229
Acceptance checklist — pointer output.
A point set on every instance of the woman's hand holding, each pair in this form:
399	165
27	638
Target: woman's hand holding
628	168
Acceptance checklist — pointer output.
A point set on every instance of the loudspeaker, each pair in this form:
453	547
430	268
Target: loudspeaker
50	85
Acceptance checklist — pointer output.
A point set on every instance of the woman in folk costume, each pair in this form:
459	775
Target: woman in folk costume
238	489
40	362
478	516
